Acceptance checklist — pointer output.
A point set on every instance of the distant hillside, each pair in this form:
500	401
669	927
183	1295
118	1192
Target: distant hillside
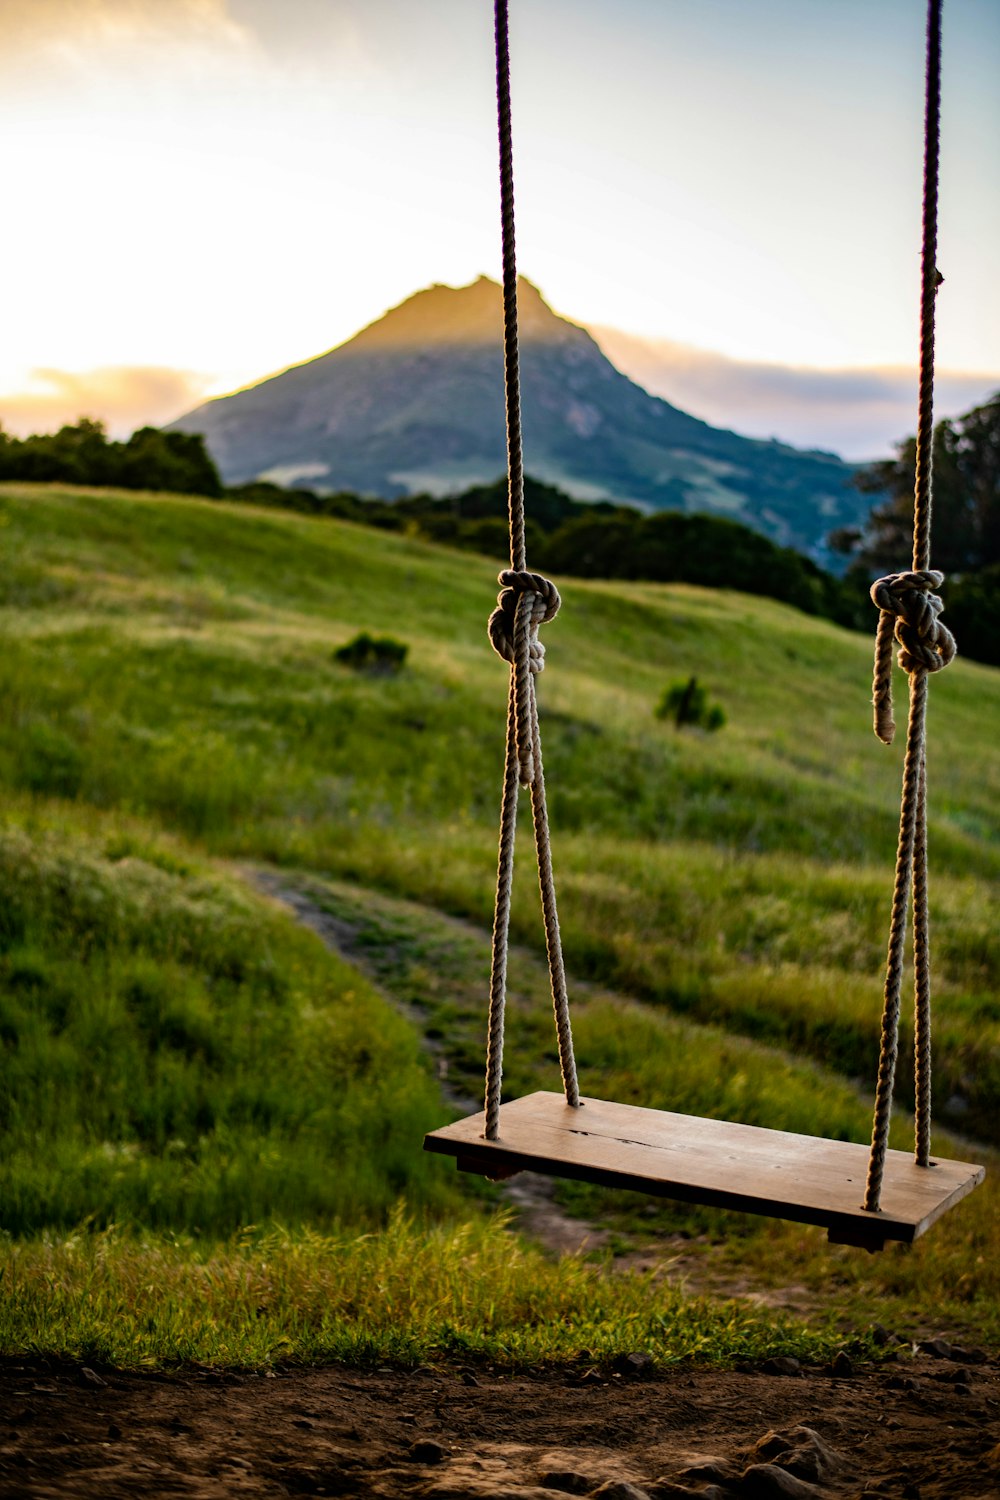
414	403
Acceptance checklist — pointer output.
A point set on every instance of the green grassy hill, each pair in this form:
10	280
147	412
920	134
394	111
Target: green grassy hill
182	1056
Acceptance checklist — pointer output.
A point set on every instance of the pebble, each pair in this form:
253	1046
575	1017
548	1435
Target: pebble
801	1453
884	1336
567	1480
769	1482
668	1489
620	1489
783	1364
425	1451
714	1471
937	1348
941	1349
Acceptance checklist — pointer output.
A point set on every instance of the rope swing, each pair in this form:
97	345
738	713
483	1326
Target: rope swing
719	1162
909	612
527	600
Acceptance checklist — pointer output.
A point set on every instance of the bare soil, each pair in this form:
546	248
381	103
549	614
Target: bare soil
921	1427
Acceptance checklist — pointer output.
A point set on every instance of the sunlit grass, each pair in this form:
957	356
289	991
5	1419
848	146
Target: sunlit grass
179	1055
406	1295
632	1053
178	1052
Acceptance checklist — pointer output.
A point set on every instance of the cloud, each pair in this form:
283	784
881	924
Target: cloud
71	36
56	43
122	396
54	51
303	29
858	413
46	23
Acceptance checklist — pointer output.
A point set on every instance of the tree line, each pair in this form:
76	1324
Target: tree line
605	540
81	453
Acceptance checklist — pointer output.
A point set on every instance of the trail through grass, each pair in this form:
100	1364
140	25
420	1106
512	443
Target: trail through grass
437	968
178	1053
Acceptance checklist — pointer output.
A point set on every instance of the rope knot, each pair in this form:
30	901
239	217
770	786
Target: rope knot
525	601
542	603
909	611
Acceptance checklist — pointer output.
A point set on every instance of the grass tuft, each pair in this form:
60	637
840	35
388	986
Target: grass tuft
406	1296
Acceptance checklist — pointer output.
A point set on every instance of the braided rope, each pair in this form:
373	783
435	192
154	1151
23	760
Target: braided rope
526	601
501	925
909	613
921	977
511	354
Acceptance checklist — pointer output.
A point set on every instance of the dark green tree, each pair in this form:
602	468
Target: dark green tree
966	515
80	453
177	461
965	543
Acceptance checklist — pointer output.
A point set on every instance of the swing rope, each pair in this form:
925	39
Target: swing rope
526	601
909	611
909	614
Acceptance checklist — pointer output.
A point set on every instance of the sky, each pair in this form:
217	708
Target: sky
202	192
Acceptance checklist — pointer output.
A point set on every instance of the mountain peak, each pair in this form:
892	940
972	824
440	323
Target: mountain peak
470	314
414	402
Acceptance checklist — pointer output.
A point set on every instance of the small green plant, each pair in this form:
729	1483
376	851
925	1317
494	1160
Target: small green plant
379	655
687	703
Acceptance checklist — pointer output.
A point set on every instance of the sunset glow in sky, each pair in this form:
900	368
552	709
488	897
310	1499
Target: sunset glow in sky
200	192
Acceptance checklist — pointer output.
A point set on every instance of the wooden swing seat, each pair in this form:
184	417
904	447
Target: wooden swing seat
715	1162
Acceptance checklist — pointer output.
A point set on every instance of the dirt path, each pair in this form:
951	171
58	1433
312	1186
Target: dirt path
924	1428
538	1215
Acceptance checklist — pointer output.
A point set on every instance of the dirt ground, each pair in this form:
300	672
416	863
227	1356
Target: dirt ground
921	1427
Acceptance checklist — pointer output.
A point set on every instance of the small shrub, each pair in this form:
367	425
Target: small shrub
380	655
687	703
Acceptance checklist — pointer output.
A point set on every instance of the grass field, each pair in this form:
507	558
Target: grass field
183	1059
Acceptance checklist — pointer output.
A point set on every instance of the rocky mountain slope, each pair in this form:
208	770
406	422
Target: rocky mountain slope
415	402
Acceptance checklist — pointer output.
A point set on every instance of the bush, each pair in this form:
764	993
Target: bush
687	703
82	454
379	655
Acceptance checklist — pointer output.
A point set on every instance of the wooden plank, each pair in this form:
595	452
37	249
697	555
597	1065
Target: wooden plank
742	1167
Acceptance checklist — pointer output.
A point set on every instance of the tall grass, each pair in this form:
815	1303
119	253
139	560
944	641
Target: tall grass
437	968
173	620
179	1053
173	658
407	1295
